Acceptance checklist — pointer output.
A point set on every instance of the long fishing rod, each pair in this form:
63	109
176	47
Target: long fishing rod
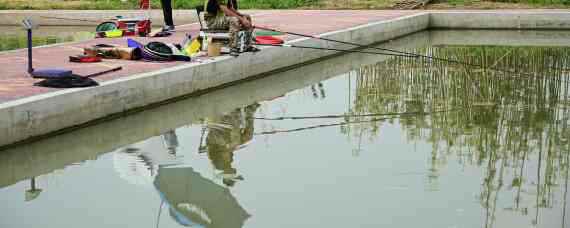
334	49
392	50
71	19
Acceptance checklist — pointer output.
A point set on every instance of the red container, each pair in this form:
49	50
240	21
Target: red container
134	26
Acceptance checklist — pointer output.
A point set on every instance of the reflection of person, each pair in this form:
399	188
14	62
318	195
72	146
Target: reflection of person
33	192
170	141
321	89
223	15
139	163
195	201
167	12
222	141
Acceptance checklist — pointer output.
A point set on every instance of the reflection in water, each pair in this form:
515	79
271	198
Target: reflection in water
195	201
511	129
139	163
226	135
321	94
33	192
191	199
507	124
502	124
170	141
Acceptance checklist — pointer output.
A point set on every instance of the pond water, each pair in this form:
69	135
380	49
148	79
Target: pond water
352	141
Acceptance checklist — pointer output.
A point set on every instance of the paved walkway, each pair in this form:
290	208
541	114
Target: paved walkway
15	83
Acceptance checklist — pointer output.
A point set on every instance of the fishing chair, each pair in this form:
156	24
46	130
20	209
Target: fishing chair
219	35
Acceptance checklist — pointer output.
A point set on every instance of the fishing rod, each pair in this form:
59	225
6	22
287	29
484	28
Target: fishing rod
334	49
395	51
71	19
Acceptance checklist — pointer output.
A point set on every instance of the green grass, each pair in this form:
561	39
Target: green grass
528	2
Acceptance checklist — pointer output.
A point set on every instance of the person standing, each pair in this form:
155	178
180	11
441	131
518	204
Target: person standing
167	12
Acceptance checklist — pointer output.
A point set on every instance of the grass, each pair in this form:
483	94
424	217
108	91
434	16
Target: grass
352	4
501	4
280	4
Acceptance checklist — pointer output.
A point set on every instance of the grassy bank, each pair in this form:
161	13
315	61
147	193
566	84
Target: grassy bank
281	4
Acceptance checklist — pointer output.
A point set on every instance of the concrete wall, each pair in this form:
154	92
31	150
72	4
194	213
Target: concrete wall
39	115
530	19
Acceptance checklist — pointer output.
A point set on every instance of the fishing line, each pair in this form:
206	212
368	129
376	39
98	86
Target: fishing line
395	51
334	49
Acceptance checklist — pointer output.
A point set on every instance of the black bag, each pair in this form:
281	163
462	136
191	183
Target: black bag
70	82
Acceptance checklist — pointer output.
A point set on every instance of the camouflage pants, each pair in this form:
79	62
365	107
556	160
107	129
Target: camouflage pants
233	25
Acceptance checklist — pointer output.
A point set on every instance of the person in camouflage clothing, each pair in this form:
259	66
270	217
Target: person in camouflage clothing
223	15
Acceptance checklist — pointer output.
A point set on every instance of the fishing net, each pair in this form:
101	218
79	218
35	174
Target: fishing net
106	26
157	51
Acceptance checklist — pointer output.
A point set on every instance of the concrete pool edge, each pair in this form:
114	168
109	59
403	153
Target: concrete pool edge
32	117
531	19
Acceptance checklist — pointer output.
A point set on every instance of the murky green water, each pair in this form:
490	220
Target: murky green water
352	141
14	37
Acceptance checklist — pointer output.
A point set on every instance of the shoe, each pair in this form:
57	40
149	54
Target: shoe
252	49
234	52
168	28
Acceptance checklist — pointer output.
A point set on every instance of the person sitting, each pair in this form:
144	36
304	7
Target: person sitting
222	15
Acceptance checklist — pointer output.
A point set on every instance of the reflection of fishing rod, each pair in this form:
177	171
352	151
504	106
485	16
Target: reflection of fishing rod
322	126
395	51
338	116
159	212
346	123
333	49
